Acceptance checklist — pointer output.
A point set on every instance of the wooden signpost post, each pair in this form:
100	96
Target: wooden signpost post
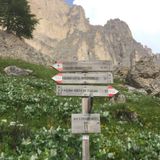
78	79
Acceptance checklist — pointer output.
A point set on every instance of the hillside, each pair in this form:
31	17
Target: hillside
12	46
35	123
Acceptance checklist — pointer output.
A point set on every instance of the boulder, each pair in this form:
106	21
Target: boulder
120	73
146	74
16	71
126	115
119	98
132	89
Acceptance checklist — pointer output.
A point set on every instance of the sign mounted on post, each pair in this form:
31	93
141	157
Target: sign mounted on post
85	90
84	78
84	73
86	123
84	66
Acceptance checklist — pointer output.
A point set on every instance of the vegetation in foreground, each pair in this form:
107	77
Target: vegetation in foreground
35	123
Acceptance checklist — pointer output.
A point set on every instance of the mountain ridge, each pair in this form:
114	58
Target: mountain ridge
64	33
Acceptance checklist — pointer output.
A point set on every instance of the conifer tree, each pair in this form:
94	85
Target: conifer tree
16	17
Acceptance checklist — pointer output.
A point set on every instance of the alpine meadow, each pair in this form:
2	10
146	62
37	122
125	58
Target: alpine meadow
70	90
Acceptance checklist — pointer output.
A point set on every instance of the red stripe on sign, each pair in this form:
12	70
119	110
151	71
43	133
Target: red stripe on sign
59	82
60	69
110	95
109	87
59	74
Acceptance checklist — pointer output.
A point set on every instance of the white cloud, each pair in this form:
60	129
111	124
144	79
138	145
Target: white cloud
142	16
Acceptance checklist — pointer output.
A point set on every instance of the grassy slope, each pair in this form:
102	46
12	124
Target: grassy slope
39	70
30	101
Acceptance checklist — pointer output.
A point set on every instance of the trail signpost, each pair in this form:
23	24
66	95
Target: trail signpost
79	79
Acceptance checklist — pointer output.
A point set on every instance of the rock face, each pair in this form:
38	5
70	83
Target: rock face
63	33
11	46
146	74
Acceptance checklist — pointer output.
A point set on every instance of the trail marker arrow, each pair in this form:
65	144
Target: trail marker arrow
84	66
58	78
85	90
58	66
84	78
111	91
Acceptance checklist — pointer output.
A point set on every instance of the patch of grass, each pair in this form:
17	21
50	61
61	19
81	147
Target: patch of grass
39	71
148	108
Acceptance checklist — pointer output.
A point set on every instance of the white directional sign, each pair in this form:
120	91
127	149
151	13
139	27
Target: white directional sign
85	90
84	78
86	123
83	66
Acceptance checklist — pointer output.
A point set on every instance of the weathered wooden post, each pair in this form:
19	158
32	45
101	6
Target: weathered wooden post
85	137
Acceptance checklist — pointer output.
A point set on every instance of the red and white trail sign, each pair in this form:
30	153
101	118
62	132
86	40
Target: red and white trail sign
84	66
58	66
58	78
111	91
85	91
84	78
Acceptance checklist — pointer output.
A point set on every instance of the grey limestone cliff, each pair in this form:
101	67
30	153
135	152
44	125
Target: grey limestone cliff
64	33
13	47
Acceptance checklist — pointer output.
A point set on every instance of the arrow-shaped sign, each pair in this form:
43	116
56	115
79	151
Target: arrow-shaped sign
111	91
84	66
84	78
85	90
58	66
58	78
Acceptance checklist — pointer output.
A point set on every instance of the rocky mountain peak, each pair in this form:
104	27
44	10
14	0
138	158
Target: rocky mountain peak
118	28
77	20
64	33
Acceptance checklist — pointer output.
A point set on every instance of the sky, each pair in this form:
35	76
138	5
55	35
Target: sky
70	2
142	17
